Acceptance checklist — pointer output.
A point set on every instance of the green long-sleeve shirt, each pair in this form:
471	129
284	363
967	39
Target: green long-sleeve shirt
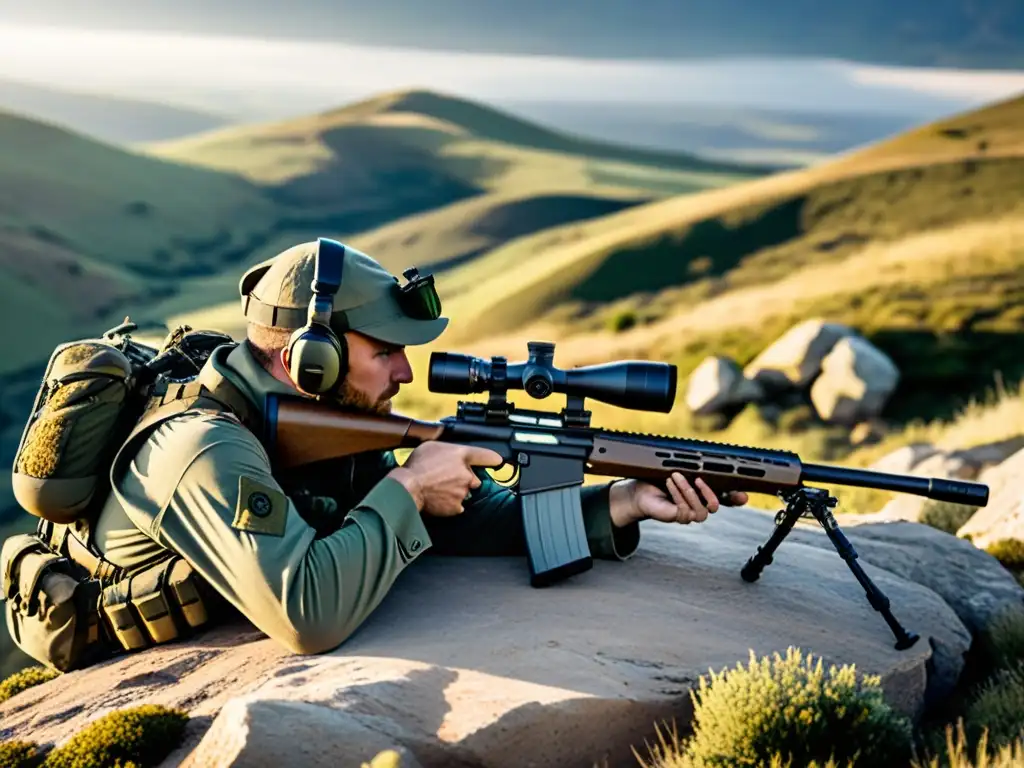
202	485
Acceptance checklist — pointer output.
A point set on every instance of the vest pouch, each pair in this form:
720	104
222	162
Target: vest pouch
50	608
157	605
184	585
152	605
121	617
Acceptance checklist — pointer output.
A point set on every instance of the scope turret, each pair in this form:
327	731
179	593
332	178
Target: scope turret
635	384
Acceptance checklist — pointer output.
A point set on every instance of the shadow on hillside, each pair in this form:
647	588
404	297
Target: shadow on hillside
709	248
940	373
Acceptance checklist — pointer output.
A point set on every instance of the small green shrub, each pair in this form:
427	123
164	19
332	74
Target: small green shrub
24	679
945	515
998	709
790	709
20	754
137	737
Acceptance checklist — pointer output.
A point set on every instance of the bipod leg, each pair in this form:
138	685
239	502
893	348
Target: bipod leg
819	504
784	522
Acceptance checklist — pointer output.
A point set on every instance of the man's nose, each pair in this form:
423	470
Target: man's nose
403	369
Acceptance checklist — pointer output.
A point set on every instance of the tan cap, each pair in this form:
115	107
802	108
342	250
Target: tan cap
277	293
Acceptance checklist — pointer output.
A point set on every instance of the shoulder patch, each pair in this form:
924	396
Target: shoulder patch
260	508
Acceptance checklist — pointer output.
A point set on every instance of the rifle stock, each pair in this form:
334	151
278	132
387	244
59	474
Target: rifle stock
303	431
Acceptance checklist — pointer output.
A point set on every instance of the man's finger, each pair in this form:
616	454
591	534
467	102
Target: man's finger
709	495
483	457
674	490
689	494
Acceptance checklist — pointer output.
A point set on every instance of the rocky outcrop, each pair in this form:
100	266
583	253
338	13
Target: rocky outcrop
1003	518
465	665
844	378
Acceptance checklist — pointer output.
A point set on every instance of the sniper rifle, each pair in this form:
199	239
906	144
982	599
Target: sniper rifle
552	451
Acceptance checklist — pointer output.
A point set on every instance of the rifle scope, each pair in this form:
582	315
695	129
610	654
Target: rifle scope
634	384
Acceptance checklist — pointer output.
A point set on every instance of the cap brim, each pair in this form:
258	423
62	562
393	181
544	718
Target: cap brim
253	275
406	331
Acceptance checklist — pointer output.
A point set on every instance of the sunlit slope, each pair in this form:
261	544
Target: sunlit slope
924	255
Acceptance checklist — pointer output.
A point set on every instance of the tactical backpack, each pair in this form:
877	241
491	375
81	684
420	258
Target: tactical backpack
66	606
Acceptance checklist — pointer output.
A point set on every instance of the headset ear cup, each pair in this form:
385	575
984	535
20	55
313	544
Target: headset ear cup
314	359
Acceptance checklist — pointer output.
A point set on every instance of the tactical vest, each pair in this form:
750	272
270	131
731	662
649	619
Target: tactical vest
68	607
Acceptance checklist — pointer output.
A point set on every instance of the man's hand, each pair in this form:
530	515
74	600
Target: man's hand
439	476
633	500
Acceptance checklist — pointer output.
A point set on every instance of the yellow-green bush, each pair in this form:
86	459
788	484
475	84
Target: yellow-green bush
137	737
24	679
20	754
792	710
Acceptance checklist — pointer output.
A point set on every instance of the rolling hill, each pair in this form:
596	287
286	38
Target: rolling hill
385	145
434	179
104	117
914	240
89	231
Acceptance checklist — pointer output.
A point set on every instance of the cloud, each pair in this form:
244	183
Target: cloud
253	78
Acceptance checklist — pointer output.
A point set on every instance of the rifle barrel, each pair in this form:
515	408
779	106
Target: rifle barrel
938	488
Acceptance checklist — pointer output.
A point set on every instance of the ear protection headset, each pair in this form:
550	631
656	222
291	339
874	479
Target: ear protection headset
318	357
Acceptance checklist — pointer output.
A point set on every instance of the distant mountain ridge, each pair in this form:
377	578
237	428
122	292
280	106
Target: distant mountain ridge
946	33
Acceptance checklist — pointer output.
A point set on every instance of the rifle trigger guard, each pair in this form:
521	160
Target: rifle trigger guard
508	482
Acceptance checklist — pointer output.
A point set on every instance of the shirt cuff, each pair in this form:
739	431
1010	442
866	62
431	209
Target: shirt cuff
397	508
606	541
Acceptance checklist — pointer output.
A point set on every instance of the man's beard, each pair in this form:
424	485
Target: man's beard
349	397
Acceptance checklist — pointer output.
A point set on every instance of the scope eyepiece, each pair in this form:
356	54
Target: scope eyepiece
633	384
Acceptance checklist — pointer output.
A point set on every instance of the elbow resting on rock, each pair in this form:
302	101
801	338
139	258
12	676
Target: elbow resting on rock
311	637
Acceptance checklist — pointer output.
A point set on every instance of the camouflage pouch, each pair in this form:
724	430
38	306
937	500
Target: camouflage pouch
51	610
77	420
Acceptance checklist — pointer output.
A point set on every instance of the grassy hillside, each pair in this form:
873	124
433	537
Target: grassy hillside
417	176
87	229
920	250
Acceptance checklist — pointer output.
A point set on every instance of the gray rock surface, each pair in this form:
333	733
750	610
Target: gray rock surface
465	665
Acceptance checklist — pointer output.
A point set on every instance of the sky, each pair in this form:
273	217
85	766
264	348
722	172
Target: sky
254	78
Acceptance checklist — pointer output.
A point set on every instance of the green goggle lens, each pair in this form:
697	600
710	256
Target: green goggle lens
418	297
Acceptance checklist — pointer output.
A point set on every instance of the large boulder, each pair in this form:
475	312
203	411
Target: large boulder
855	382
465	665
794	359
718	384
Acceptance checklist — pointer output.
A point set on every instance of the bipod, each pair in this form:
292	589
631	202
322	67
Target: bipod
817	503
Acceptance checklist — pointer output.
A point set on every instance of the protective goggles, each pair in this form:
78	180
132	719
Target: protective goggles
418	297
